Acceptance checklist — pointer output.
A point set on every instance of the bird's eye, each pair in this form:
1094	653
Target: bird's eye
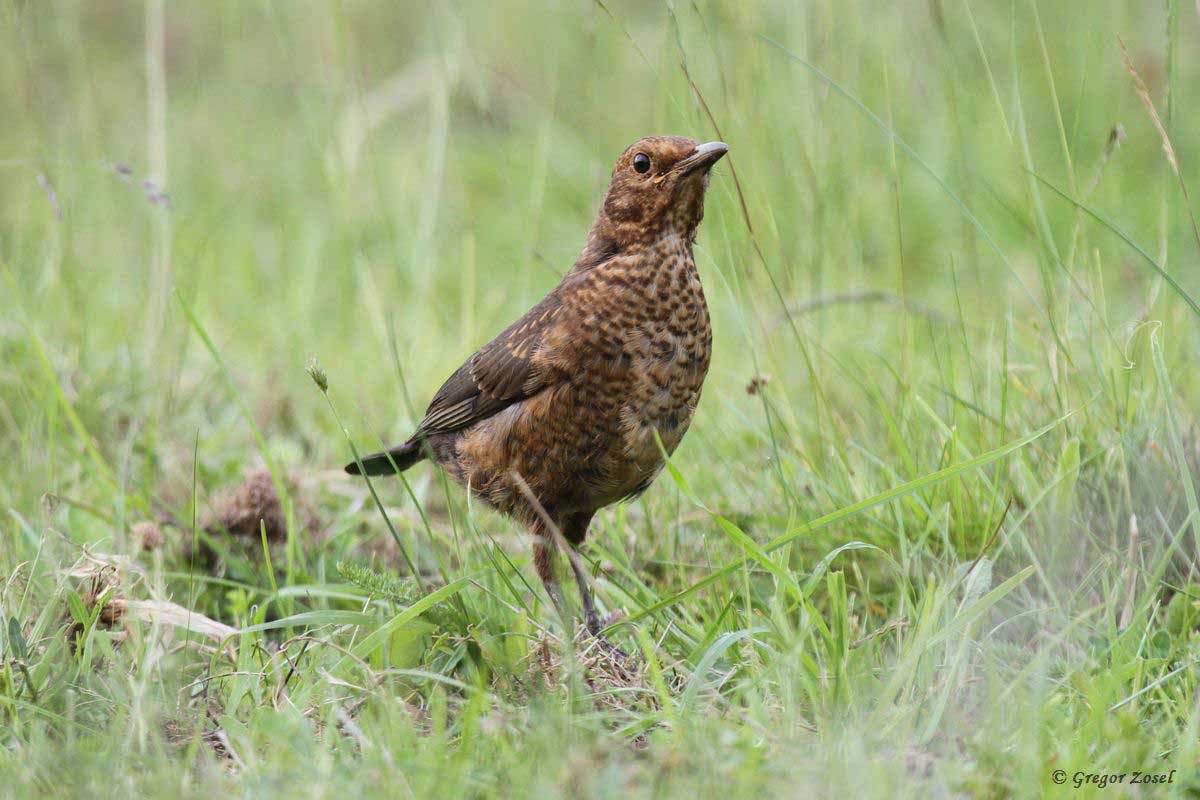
641	162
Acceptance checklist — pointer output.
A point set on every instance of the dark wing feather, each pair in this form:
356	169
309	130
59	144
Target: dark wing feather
506	370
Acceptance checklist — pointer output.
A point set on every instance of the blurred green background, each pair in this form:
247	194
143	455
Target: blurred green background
903	277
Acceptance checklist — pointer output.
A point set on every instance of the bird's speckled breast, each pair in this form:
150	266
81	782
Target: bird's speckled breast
665	343
634	358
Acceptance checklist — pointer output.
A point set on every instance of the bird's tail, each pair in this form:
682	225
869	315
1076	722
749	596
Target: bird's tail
389	462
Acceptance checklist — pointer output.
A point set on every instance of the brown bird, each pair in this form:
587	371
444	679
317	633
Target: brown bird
562	413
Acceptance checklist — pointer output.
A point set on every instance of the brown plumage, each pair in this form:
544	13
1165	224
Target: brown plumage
571	396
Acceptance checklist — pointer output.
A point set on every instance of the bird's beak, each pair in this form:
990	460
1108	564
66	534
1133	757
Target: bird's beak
703	157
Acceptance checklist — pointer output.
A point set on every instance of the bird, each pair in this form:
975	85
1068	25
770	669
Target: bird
571	408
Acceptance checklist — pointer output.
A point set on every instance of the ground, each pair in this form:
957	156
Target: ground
934	530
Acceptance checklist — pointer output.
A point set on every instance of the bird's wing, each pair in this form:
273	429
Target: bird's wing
515	365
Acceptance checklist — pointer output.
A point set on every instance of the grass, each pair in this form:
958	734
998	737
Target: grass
934	530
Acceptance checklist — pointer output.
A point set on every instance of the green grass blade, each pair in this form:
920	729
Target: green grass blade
312	619
1149	259
854	509
380	634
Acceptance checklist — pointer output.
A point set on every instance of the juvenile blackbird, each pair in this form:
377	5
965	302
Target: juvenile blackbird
565	404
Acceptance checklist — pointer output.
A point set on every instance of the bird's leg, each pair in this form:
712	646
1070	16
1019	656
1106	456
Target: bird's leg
574	531
590	617
548	535
543	562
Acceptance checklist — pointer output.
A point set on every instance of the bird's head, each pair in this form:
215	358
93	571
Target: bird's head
657	188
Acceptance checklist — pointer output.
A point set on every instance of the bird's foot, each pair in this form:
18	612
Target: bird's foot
605	646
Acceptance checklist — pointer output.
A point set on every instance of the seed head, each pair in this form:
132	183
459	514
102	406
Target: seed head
318	375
